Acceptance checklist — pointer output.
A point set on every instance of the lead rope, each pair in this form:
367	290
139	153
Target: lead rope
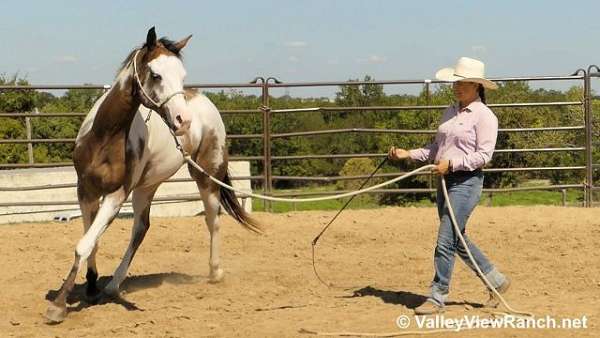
189	160
246	193
464	243
509	309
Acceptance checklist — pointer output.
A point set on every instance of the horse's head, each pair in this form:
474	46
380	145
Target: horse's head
159	75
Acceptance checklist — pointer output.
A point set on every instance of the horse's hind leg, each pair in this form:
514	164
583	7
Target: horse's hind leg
89	209
210	198
57	310
142	199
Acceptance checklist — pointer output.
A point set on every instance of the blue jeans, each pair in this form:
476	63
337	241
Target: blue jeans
464	192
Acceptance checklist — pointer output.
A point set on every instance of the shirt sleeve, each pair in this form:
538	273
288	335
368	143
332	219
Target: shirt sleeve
424	154
486	131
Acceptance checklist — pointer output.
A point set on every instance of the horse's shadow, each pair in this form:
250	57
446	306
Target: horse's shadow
405	298
130	285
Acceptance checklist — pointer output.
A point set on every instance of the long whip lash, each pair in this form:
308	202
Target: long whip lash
316	239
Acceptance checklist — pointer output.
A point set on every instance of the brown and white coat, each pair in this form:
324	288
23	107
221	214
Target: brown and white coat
124	148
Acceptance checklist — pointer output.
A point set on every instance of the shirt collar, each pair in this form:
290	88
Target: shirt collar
469	108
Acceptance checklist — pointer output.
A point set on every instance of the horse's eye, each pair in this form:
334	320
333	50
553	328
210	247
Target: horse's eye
155	76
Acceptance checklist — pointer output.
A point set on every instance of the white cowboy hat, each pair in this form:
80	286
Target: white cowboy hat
466	69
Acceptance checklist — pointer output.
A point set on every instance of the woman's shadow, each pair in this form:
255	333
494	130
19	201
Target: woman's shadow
406	298
130	285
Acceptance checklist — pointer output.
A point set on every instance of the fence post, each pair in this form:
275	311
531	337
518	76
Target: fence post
564	197
589	134
267	170
29	144
589	171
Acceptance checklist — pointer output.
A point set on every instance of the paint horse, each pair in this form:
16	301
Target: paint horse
124	148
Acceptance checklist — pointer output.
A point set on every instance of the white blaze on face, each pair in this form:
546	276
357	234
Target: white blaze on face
171	72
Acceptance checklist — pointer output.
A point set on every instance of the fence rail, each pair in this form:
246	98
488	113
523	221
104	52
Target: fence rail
266	158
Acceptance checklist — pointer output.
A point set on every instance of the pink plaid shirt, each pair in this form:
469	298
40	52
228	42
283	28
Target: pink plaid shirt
466	137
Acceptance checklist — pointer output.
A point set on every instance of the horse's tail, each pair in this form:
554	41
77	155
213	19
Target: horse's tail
233	208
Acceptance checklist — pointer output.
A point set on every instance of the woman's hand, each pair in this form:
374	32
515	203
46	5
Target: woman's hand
442	167
396	154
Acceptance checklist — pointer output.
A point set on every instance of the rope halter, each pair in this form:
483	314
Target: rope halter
157	105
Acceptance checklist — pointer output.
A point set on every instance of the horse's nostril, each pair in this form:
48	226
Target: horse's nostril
179	119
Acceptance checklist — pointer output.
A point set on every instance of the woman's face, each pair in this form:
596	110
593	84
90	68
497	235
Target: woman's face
465	92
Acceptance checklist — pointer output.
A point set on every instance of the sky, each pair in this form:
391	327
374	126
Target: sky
76	42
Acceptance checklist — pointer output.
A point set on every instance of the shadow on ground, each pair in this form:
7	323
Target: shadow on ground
406	298
130	285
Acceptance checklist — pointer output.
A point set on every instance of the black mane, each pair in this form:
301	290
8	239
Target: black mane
168	44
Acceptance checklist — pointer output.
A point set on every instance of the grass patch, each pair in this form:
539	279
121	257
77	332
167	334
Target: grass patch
523	198
574	198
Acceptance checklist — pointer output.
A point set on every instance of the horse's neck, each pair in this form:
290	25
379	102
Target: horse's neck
117	111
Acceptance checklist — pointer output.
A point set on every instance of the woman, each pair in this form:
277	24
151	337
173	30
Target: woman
464	143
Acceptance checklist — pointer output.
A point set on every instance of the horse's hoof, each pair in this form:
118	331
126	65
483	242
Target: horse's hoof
216	276
56	314
110	292
93	297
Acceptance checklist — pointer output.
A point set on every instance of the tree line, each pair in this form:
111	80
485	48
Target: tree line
81	100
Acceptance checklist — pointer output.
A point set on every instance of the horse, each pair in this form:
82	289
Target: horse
128	144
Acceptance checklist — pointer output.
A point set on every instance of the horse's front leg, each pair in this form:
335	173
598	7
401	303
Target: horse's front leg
57	310
89	206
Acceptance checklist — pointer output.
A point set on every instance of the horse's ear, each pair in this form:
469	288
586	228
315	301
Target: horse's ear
181	43
151	38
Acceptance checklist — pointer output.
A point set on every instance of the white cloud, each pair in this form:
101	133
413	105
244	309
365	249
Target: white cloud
373	59
296	44
377	59
67	59
293	59
479	49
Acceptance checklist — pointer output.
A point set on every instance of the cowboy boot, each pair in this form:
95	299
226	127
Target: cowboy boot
429	308
493	301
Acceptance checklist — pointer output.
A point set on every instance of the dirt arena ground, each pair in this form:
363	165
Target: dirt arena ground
383	257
